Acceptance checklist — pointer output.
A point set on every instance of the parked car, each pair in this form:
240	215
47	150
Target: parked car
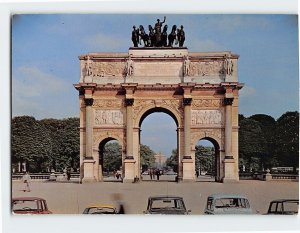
166	205
100	209
227	204
29	205
284	206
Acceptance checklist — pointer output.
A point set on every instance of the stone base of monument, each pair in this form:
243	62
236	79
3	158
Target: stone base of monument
229	166
188	170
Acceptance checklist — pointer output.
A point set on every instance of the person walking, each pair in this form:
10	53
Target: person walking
26	181
157	174
151	174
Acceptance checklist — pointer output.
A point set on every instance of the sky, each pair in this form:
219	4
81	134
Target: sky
45	64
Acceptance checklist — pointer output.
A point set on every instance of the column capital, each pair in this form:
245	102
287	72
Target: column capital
187	101
129	101
88	101
228	101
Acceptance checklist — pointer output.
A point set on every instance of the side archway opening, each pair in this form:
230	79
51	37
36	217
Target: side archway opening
110	159
207	160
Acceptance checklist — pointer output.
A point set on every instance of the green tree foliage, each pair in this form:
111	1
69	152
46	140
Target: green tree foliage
147	157
112	157
45	144
172	161
252	143
31	143
287	139
266	143
65	143
205	158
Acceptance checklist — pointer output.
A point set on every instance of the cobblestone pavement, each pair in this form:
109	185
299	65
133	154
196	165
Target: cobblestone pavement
72	197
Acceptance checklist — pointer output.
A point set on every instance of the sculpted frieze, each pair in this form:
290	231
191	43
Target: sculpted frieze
102	69
206	117
102	103
108	117
200	103
206	68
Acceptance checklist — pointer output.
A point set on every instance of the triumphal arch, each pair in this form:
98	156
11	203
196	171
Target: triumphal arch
198	90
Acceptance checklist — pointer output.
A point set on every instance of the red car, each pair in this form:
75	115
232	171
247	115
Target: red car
29	205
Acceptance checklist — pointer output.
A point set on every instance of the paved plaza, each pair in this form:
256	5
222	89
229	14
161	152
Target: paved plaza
72	197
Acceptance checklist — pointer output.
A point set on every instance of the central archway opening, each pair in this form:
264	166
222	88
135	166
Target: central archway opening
206	160
158	145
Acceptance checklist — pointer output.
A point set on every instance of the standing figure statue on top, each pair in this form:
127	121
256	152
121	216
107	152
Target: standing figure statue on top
157	29
180	36
135	37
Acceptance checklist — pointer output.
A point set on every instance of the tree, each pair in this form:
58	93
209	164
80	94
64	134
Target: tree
287	139
112	156
204	157
252	143
65	143
172	161
268	128
147	157
31	143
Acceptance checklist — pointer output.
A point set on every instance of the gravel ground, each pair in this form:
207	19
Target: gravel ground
72	197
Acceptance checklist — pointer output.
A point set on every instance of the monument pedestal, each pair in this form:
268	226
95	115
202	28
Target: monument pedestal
188	171
88	171
229	174
129	170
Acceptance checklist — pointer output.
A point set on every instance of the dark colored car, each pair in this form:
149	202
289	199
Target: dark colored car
166	205
29	205
284	206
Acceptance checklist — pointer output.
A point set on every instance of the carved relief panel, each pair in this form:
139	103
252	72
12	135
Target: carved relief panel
206	68
206	117
102	69
108	117
206	103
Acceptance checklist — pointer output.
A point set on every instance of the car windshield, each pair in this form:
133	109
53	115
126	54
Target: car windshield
291	207
25	205
101	210
232	203
167	204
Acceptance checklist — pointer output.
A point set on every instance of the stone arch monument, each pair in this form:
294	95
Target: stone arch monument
198	90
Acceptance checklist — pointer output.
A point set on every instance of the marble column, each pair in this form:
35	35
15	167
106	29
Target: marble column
89	127
228	127
187	161
229	163
88	162
129	161
187	127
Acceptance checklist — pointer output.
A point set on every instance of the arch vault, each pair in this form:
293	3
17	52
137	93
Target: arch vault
118	90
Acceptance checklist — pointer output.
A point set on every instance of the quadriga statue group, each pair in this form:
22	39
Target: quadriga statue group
158	37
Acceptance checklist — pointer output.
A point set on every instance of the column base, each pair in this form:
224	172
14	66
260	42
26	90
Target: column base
188	173
88	180
229	180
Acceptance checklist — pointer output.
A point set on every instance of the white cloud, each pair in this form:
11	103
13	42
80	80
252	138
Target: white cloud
205	45
247	91
104	41
32	82
31	88
230	23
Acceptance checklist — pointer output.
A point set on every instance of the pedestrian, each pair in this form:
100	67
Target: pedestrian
26	181
197	173
157	174
151	174
68	174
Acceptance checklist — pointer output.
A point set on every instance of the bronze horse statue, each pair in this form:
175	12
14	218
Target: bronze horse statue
144	37
172	36
164	36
